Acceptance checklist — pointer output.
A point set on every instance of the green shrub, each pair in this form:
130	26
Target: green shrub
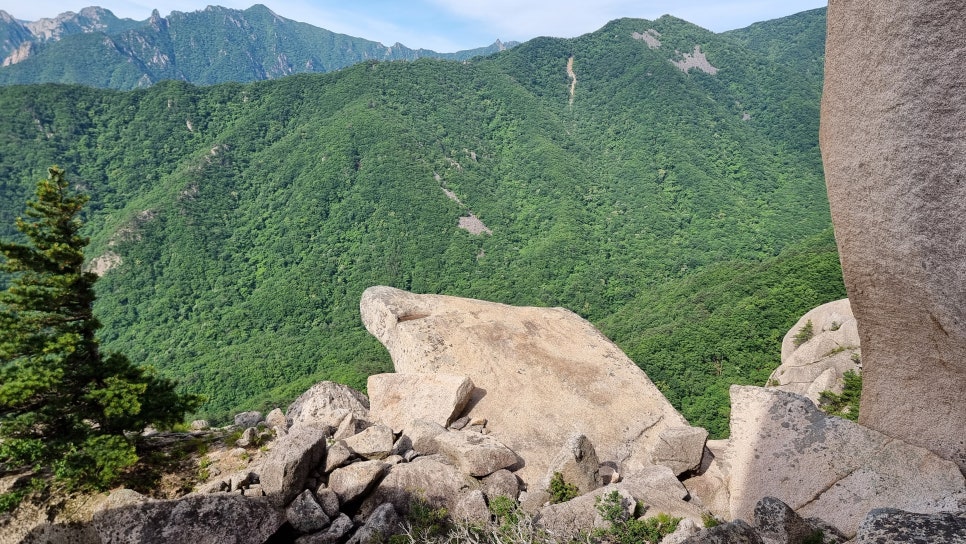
845	405
804	334
708	520
631	531
561	491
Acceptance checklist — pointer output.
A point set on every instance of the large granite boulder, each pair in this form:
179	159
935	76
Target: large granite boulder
810	366
199	519
893	112
827	467
541	374
287	466
428	479
399	399
328	403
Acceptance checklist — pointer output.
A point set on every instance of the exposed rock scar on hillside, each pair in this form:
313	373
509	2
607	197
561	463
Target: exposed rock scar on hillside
573	78
697	59
650	37
471	222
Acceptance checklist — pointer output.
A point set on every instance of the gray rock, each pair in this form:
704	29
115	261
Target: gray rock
215	518
578	464
459	423
199	425
305	515
890	526
474	453
472	508
422	435
680	448
427	479
287	466
545	361
827	467
397	399
686	529
380	525
248	438
276	418
373	443
337	456
328	500
350	425
248	419
736	532
778	524
327	403
340	527
355	480
892	145
501	483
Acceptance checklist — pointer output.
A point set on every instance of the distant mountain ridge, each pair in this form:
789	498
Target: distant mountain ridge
215	45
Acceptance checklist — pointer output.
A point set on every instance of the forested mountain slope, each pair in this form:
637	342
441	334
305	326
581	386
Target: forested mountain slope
678	208
215	45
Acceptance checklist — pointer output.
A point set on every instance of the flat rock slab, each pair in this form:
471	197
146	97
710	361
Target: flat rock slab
221	518
428	479
288	464
474	453
541	374
398	399
827	467
898	527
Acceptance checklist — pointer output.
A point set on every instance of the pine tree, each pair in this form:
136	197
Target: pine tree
65	405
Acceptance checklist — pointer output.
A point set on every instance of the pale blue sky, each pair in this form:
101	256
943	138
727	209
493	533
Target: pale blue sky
450	25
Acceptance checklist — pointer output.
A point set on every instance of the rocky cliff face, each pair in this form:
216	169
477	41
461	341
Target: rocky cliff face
893	144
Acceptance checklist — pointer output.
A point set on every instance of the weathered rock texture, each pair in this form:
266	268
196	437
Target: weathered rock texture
893	112
827	467
399	399
891	526
819	363
541	374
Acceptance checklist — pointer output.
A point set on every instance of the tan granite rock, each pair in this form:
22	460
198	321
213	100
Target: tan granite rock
893	146
541	374
399	399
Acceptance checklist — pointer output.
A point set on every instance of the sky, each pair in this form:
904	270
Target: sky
452	25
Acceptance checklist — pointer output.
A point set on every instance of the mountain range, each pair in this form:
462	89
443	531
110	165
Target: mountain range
93	47
659	179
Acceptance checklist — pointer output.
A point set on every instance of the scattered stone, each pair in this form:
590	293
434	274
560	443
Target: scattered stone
355	480
501	483
735	532
472	508
459	423
680	448
429	479
350	426
827	467
340	527
305	515
328	500
891	526
248	419
373	443
327	403
398	399
199	425
477	455
379	526
776	523
545	361
248	438
422	435
401	446
685	530
289	462
222	518
337	456
276	418
577	463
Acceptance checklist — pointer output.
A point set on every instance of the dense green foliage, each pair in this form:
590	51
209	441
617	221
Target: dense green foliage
683	212
561	490
64	403
215	45
632	529
847	404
